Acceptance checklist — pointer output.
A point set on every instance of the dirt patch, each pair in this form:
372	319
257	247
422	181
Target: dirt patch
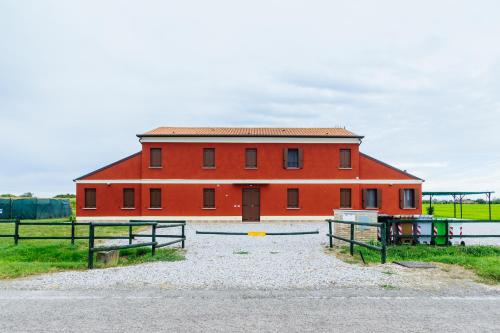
444	276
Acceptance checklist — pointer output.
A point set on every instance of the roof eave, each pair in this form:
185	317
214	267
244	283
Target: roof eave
392	167
247	136
107	166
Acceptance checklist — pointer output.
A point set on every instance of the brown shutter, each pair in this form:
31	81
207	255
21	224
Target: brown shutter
90	198
285	158
345	198
364	198
379	198
416	198
401	198
345	158
155	198
301	158
209	157
208	198
293	198
251	158
128	198
155	157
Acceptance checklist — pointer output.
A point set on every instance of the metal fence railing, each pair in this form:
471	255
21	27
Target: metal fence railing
92	237
382	249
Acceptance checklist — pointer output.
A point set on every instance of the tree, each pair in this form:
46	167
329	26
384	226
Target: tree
65	196
7	195
27	195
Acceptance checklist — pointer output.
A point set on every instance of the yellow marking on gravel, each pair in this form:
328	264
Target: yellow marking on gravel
256	233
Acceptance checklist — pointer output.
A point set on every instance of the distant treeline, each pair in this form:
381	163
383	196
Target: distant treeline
465	201
31	195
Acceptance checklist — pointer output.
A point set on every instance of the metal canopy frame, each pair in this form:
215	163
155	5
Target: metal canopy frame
461	196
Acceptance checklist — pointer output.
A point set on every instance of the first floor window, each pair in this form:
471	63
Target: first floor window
90	198
208	198
371	198
128	198
293	198
345	158
154	198
251	158
209	157
345	198
293	158
408	198
155	158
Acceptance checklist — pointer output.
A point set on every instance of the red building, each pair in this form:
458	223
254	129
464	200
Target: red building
245	174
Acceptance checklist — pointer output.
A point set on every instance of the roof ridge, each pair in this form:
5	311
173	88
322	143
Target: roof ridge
251	131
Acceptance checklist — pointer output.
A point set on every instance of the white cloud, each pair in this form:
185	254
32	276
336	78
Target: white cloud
79	79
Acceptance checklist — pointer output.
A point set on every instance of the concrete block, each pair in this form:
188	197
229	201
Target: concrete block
108	258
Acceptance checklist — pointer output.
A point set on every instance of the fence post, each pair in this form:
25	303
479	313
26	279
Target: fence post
72	231
16	232
153	239
129	234
447	236
383	254
91	246
183	236
330	233
351	245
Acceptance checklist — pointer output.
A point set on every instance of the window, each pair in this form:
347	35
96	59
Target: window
345	198
345	158
208	198
155	158
293	158
407	198
128	198
154	198
90	198
293	198
372	198
251	158
209	157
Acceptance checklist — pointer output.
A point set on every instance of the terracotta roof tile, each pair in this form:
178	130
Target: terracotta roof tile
250	131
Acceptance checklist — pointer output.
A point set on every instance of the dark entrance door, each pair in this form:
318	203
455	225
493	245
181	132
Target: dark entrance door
251	204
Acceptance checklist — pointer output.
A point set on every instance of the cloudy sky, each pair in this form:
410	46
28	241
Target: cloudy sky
78	80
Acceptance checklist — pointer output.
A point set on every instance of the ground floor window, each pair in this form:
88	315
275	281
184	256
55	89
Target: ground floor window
90	198
128	198
371	198
345	198
208	198
293	198
408	198
154	198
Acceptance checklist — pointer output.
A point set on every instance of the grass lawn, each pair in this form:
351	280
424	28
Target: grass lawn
470	211
483	260
42	256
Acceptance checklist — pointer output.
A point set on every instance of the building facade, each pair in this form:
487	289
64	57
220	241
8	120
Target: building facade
245	174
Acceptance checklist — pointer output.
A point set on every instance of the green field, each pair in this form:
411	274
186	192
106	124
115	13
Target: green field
470	211
41	256
483	260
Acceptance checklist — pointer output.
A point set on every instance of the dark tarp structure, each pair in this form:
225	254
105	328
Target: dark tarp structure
34	208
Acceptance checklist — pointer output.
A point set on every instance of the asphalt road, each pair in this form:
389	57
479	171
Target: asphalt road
155	310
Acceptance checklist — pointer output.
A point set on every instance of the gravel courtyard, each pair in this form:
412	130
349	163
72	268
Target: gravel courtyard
242	262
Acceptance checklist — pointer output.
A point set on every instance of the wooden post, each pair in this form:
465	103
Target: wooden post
16	232
91	246
351	245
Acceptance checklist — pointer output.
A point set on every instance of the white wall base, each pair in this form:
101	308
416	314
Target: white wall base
197	218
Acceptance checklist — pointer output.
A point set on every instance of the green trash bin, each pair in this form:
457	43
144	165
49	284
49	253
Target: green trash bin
440	227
